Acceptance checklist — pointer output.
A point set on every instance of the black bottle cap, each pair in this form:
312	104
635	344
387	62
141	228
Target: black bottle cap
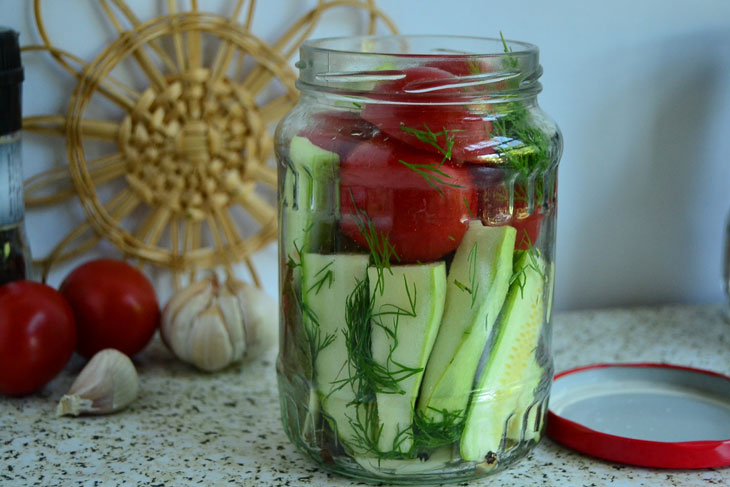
11	79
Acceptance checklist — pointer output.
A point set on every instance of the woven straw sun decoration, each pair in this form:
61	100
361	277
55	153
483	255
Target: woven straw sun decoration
191	149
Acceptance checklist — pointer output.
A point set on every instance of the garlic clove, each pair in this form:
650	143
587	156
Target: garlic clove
180	312
106	384
261	317
233	315
208	345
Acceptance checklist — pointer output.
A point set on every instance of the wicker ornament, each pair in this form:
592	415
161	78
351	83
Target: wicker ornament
190	148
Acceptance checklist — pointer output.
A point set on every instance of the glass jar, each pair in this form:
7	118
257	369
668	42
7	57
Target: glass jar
417	204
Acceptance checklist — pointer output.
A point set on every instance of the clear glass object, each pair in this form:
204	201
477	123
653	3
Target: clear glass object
417	204
15	258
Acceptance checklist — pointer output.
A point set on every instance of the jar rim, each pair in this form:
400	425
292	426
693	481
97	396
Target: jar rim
462	69
382	45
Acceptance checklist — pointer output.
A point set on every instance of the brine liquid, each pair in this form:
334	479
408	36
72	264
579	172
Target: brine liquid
501	199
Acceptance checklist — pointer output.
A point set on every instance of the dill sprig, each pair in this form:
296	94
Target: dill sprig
430	434
367	431
431	138
509	61
523	145
519	274
310	322
473	285
317	340
327	277
468	208
381	250
368	377
432	173
399	310
474	66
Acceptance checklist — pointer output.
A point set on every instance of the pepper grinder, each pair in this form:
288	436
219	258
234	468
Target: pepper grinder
14	253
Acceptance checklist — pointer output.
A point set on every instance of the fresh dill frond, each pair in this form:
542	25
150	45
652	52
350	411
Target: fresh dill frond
473	284
432	173
468	208
291	262
367	432
381	250
431	138
368	377
523	146
396	310
462	286
317	340
327	277
509	61
474	66
431	433
519	275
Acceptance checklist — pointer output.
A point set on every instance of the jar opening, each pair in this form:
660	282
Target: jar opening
467	68
421	45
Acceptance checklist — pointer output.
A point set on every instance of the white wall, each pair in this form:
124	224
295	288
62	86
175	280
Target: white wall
641	90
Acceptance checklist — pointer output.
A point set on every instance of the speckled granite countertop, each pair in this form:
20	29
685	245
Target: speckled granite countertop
189	428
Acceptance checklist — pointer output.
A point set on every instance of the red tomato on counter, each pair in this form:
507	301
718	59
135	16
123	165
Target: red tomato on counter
114	304
422	222
418	120
37	336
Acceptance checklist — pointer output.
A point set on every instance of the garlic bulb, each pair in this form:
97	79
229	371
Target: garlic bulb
106	384
213	325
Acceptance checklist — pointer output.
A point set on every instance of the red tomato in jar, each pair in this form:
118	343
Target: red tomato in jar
114	304
37	336
338	131
422	206
412	113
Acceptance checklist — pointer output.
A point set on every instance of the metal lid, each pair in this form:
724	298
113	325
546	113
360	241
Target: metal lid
647	414
11	78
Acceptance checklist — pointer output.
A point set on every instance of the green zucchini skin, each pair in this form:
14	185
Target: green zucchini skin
327	280
406	319
309	205
477	285
511	366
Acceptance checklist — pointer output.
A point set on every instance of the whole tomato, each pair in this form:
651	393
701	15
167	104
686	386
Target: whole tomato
421	112
114	304
37	336
408	195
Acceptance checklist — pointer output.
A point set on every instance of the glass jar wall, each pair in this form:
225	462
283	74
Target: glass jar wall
417	204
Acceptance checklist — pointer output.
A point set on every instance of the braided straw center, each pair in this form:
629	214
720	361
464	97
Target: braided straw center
193	147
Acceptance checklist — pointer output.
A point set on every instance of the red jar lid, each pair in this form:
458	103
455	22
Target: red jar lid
646	414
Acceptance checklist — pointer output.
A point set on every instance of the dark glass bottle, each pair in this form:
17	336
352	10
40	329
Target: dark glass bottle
14	253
